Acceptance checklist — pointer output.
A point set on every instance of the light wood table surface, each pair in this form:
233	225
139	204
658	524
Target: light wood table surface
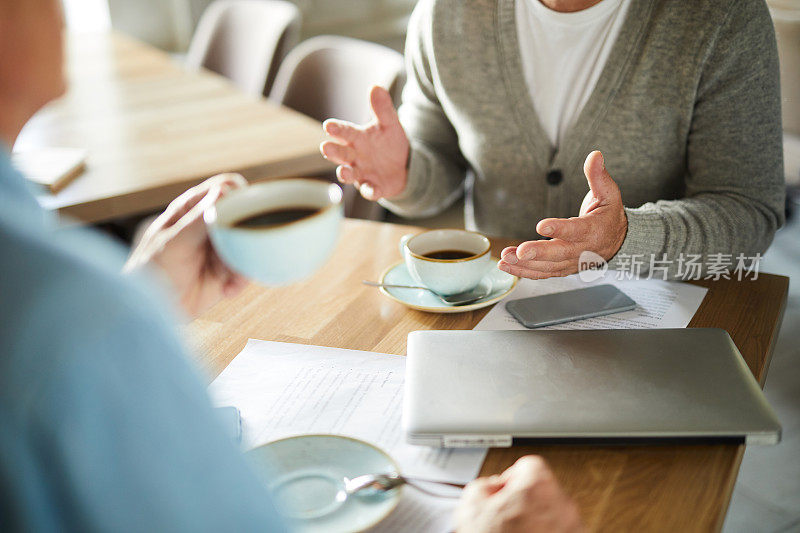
153	128
618	488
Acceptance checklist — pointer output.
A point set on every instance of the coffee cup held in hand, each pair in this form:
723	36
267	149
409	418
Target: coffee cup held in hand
447	261
277	232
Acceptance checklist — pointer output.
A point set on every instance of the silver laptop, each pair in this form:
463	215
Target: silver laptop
487	388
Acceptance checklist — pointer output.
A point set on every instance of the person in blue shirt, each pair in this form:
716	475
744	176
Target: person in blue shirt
104	423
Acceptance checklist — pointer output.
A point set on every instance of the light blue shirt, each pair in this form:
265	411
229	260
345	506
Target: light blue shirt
104	423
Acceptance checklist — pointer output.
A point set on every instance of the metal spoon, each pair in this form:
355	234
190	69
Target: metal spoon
461	298
377	483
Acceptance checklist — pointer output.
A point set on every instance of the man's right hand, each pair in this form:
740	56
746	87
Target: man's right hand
373	157
526	498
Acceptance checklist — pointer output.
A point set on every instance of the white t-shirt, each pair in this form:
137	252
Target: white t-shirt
563	55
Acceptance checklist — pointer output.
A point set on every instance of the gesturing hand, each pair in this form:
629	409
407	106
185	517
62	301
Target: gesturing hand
526	498
178	244
373	156
600	228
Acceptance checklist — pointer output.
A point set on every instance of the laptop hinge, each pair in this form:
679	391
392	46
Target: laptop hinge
476	441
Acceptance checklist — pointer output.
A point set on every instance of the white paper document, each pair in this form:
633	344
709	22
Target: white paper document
284	389
420	513
659	304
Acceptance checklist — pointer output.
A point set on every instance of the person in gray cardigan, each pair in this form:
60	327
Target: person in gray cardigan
686	113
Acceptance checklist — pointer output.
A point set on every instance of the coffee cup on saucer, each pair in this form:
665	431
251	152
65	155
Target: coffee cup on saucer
277	232
447	261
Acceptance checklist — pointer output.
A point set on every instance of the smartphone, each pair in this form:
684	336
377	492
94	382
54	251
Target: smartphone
561	307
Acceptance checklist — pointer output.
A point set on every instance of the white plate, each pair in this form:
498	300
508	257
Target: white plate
306	476
501	284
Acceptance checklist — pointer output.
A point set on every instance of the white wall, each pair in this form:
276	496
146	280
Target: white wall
169	24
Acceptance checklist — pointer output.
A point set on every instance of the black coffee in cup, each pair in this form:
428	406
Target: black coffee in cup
275	217
448	255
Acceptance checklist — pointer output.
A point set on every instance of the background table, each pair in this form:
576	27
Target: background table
618	488
154	128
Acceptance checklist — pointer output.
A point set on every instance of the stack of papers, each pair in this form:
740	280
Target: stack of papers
286	389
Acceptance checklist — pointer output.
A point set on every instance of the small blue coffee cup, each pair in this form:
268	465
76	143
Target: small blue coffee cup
447	276
284	253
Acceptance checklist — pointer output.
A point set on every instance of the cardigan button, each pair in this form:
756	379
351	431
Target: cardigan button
555	176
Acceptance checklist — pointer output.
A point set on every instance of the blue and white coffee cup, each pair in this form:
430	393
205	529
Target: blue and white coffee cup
447	276
281	254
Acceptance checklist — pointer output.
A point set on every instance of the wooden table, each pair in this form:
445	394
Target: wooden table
642	488
153	128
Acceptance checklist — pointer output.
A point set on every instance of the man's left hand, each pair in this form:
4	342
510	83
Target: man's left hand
600	228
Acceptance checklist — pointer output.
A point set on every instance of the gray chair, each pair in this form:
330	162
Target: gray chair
245	41
329	76
786	16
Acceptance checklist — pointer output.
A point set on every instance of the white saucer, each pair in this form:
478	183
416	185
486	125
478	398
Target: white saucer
306	476
501	284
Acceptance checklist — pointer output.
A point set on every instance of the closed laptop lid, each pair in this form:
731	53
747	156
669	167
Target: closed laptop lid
472	388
